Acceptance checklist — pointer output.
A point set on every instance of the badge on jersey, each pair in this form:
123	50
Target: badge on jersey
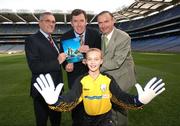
103	87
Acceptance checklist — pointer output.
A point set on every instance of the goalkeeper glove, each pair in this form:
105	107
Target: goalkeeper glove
153	88
45	87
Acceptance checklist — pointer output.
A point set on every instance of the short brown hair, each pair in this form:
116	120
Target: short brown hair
77	12
105	12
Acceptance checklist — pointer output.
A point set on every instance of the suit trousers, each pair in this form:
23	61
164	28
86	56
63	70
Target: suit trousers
77	115
120	117
42	112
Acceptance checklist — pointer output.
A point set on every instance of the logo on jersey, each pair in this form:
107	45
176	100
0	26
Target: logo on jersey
103	87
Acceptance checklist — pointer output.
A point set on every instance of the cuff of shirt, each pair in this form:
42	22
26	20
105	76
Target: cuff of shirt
137	102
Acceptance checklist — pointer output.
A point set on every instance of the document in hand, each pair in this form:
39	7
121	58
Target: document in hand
70	47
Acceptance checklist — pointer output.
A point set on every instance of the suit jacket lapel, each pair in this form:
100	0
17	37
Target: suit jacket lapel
46	41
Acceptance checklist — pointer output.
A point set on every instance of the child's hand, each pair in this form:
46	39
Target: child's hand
153	88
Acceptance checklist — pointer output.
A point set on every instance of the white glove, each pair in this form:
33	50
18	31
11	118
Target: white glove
45	87
151	90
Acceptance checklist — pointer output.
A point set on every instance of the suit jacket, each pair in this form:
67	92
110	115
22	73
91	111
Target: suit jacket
93	39
41	59
118	61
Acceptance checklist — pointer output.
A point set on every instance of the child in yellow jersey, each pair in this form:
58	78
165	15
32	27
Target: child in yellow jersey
97	91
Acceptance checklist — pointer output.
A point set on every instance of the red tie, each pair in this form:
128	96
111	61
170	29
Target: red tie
51	40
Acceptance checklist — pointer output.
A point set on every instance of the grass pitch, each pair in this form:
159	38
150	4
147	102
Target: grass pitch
16	108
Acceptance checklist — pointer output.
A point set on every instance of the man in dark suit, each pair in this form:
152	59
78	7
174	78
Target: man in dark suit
91	38
43	56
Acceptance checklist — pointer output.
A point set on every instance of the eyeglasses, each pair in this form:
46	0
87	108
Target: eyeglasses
49	21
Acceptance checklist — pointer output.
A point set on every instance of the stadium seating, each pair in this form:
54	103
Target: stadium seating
159	32
168	44
151	20
12	36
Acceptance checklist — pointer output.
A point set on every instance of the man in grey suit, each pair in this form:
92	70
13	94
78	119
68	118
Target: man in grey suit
118	62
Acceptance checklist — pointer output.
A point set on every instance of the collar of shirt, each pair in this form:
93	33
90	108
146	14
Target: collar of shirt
77	35
45	34
110	34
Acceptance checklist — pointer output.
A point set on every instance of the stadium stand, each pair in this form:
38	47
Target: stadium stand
157	33
12	36
154	25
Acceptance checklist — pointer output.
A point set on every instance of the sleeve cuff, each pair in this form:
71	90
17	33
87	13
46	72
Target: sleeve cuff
58	101
137	102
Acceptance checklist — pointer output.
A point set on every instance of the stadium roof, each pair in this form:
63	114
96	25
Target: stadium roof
139	9
143	8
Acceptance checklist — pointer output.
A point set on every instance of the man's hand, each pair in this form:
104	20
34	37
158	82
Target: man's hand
83	48
45	87
84	61
69	67
62	57
153	88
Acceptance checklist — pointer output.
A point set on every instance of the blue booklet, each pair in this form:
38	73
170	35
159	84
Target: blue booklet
70	47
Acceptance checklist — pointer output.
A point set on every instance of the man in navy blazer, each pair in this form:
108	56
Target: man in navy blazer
43	57
91	38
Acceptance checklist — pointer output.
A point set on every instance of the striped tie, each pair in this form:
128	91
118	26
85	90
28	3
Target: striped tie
52	43
51	40
81	39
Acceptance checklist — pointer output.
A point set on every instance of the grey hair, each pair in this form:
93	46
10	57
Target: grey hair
41	17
